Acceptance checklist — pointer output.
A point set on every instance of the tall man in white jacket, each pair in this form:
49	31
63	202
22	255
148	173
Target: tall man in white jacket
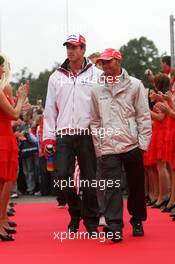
66	128
121	126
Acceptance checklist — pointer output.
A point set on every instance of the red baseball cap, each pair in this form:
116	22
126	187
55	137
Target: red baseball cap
109	54
75	39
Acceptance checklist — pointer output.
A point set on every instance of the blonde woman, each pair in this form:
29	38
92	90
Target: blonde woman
8	145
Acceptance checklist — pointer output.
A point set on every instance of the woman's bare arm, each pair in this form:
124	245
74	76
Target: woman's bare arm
157	116
8	108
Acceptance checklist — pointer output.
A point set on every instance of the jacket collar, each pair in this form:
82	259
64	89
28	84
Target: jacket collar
64	68
122	83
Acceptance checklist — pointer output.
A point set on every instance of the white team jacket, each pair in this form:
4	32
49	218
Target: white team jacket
68	100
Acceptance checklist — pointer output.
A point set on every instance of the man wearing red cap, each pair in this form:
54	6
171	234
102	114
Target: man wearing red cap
121	129
66	129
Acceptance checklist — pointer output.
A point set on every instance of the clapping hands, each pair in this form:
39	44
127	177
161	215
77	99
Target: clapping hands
23	91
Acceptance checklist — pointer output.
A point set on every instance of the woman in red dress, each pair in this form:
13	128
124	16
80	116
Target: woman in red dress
168	107
8	145
155	154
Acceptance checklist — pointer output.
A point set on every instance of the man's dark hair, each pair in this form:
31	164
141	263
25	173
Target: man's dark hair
82	46
167	60
162	82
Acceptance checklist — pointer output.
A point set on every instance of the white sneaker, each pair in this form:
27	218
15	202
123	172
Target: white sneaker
102	221
37	193
14	195
61	206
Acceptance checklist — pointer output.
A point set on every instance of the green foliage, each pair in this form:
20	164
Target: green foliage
38	86
139	55
21	78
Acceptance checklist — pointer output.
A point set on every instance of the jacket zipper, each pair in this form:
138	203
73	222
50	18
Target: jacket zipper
73	107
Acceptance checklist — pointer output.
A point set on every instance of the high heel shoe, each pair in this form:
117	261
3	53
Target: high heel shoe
9	213
11	204
163	203
12	224
168	209
6	238
12	210
10	231
149	203
172	214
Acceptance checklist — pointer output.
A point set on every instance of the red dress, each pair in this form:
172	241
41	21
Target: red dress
155	151
147	158
8	148
169	153
169	146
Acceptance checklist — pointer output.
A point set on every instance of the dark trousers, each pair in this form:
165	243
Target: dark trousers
45	184
113	203
21	182
133	164
111	171
80	146
100	191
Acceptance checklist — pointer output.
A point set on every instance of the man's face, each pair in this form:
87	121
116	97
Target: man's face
74	53
110	67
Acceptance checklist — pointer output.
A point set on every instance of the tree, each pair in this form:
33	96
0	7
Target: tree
38	86
21	77
139	55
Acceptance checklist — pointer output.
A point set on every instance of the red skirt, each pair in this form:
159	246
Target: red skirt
169	142
156	148
8	152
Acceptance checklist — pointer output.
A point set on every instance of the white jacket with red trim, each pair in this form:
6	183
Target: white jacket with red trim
68	100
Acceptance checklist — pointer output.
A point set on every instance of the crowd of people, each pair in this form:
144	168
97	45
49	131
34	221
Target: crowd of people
159	159
99	124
